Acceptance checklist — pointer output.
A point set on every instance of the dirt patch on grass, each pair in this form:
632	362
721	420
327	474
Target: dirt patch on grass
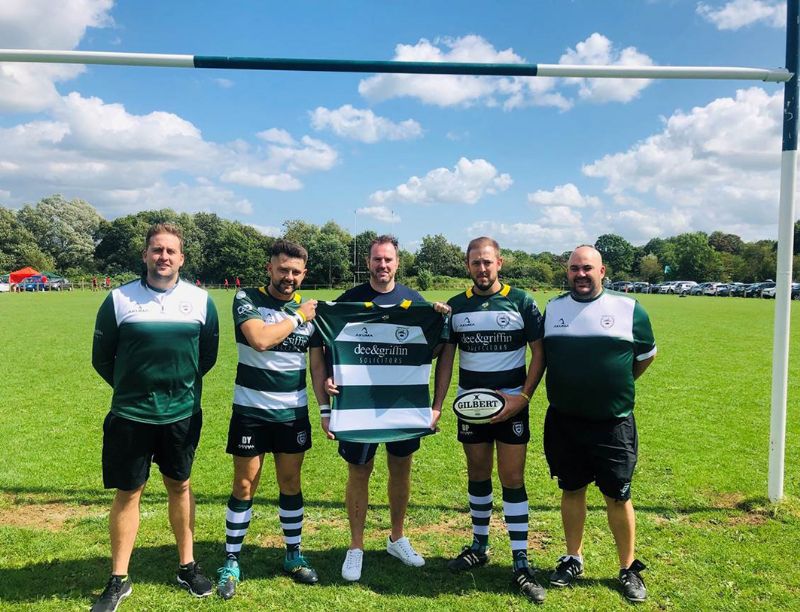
51	516
752	512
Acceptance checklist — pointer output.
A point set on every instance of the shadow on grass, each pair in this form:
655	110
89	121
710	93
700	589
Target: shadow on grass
84	578
154	493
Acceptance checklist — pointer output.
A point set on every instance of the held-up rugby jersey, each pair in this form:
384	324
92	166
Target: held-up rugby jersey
153	347
589	348
270	385
492	333
381	359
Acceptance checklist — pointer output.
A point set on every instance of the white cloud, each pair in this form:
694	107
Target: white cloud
531	237
740	13
268	230
713	168
563	195
363	125
224	83
457	90
380	213
43	24
467	183
255	178
198	196
599	50
277	136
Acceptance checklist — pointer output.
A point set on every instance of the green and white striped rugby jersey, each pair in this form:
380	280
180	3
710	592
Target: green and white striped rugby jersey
589	348
270	385
381	359
492	333
153	347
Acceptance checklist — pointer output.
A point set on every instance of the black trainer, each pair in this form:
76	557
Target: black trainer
468	558
527	584
567	571
116	590
632	584
192	579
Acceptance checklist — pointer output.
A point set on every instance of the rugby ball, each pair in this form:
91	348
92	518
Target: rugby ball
478	406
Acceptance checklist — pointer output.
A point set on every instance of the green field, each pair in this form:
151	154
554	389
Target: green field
705	528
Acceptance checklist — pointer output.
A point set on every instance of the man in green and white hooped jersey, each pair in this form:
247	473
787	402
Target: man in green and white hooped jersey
270	407
492	325
154	340
597	343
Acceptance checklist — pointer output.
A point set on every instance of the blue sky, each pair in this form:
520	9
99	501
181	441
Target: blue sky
539	164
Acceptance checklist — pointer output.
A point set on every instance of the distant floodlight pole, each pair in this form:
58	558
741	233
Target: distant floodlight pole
783	278
787	75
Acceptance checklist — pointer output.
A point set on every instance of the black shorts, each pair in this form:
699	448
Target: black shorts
129	447
515	430
360	453
580	452
249	437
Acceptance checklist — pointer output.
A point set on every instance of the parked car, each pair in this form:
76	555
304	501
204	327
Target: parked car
712	288
59	283
796	291
731	289
769	292
641	287
622	286
698	289
37	282
754	290
667	287
683	287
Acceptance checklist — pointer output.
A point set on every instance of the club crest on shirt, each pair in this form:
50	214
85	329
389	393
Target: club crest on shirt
240	294
503	319
401	333
606	321
185	307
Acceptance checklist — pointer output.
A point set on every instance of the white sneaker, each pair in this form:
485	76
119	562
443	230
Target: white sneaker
351	568
403	550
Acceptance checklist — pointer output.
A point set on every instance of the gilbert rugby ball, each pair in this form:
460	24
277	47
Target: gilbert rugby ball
478	405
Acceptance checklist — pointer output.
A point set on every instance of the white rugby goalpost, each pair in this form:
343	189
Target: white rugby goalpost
786	214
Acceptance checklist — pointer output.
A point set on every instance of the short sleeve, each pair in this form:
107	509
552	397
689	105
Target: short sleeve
644	343
243	308
532	319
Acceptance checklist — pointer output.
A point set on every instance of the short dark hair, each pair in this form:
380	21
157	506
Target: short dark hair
288	248
164	228
384	239
480	242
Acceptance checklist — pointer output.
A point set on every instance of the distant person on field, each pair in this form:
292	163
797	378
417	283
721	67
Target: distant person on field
270	408
94	283
238	284
154	340
493	325
597	343
108	282
227	286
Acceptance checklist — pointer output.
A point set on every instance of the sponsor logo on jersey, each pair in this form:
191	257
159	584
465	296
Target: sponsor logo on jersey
401	333
137	308
503	319
363	333
244	308
301	438
607	321
378	350
485	305
518	428
240	294
623	492
465	323
185	307
561	323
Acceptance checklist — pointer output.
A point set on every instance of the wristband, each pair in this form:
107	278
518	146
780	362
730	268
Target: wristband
300	314
526	396
324	410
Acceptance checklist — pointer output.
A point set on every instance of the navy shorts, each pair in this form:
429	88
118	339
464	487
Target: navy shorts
360	453
249	437
515	430
130	447
580	452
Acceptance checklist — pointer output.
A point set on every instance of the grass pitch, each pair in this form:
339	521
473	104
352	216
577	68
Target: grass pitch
705	528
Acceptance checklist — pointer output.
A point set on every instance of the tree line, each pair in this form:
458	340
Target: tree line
71	237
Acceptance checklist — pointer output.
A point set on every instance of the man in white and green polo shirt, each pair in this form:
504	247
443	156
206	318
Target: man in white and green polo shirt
154	340
596	344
